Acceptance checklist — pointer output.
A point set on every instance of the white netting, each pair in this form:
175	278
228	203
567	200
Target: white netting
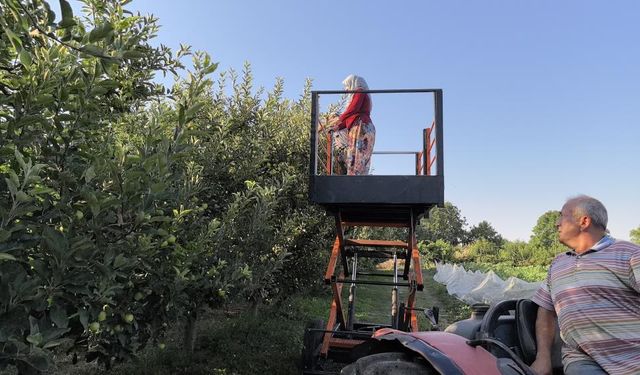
478	287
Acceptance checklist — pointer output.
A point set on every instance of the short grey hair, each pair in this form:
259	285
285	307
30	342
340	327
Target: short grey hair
584	205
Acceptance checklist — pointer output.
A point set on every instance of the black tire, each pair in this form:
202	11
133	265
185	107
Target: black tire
311	344
388	363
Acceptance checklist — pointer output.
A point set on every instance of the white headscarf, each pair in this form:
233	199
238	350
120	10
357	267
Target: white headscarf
352	83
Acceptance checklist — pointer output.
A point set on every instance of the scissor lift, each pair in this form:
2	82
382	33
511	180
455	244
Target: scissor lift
371	201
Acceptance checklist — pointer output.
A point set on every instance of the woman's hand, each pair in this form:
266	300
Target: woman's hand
333	122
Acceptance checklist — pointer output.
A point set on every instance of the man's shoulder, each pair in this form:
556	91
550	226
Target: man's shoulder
622	245
560	257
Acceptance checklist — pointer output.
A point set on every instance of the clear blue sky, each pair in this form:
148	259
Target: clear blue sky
541	97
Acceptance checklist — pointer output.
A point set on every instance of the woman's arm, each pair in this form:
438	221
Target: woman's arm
355	105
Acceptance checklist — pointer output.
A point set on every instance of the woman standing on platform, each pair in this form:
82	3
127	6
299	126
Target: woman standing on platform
357	122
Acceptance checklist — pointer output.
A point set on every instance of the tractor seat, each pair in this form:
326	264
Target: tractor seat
526	314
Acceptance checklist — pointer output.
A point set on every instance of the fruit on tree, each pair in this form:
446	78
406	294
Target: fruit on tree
128	318
94	327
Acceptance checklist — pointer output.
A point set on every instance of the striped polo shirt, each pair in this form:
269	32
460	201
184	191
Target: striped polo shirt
596	296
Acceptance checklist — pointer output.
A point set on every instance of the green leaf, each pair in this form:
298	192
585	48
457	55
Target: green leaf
25	58
34	327
35	339
181	116
133	54
158	187
66	117
23	197
84	317
36	362
109	83
6	256
92	50
58	316
4	235
55	240
89	174
193	110
13	189
53	334
16	42
67	15
210	69
20	160
44	99
51	15
100	32
53	343
120	261
14	178
95	208
99	91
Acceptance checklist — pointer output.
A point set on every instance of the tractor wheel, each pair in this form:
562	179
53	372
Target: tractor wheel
388	363
311	344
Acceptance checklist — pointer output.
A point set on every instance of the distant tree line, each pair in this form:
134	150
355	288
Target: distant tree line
445	236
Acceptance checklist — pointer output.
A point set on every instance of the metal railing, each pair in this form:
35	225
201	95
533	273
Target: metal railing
425	159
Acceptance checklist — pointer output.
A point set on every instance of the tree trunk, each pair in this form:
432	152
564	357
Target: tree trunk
255	307
190	332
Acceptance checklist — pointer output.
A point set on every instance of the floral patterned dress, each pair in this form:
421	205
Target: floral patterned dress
361	139
355	137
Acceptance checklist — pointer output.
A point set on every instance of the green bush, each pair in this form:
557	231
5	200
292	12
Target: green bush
436	251
481	250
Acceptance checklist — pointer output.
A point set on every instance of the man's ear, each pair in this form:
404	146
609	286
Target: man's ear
584	222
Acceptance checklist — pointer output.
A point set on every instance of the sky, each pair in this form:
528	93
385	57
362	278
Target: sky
540	97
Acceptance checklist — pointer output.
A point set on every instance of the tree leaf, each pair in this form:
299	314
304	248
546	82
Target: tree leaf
36	362
53	343
53	334
84	317
25	58
193	110
67	15
133	54
51	15
210	69
6	256
35	339
100	32
16	42
92	50
14	178
58	316
4	235
55	240
13	189
89	174
181	116
20	160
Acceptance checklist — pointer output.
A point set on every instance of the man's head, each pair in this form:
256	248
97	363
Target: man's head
582	222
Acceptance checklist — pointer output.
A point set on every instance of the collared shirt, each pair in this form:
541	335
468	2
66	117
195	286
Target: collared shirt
596	296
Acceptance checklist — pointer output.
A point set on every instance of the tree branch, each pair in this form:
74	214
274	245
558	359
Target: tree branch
53	36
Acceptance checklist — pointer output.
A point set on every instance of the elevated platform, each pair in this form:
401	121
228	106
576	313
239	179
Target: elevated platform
372	201
377	199
390	199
